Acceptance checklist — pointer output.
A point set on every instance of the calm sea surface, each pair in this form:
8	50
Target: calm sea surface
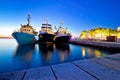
14	57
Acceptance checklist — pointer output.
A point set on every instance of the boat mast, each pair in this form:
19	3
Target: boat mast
46	23
61	23
28	19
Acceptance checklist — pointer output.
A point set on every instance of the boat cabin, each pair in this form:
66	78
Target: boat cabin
26	29
62	30
46	28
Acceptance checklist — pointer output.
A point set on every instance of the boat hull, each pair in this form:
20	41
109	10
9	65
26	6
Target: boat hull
46	37
63	39
24	38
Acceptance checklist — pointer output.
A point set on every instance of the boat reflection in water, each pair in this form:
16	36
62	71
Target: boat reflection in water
25	52
21	57
53	53
63	50
46	50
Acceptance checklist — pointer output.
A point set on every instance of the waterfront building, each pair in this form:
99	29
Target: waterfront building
99	33
118	28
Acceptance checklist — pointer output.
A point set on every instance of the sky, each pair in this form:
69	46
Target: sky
77	15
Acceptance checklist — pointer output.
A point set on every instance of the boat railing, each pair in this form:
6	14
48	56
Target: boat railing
16	30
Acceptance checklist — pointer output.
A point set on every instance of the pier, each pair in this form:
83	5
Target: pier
100	44
105	68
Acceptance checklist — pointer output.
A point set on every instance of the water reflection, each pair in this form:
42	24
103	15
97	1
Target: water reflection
25	52
50	53
46	50
63	50
13	57
90	52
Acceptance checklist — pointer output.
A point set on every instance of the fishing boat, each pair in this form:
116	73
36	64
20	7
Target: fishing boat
46	33
62	35
26	33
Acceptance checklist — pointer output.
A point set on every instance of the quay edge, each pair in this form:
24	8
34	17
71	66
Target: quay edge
99	44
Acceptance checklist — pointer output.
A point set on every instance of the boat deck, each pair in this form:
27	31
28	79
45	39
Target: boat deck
105	68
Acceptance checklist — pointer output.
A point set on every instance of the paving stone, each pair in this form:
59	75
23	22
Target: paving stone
42	73
100	71
115	64
18	75
68	71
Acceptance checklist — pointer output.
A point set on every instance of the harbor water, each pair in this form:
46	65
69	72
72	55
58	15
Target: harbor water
14	57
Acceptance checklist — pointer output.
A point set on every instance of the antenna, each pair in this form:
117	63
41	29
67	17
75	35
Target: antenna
61	23
55	27
66	27
47	21
28	19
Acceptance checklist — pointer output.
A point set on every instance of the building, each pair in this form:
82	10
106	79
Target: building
99	33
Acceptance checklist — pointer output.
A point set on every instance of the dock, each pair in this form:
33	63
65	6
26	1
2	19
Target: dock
99	44
105	68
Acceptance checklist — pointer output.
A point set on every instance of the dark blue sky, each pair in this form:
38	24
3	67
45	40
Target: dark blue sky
77	15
